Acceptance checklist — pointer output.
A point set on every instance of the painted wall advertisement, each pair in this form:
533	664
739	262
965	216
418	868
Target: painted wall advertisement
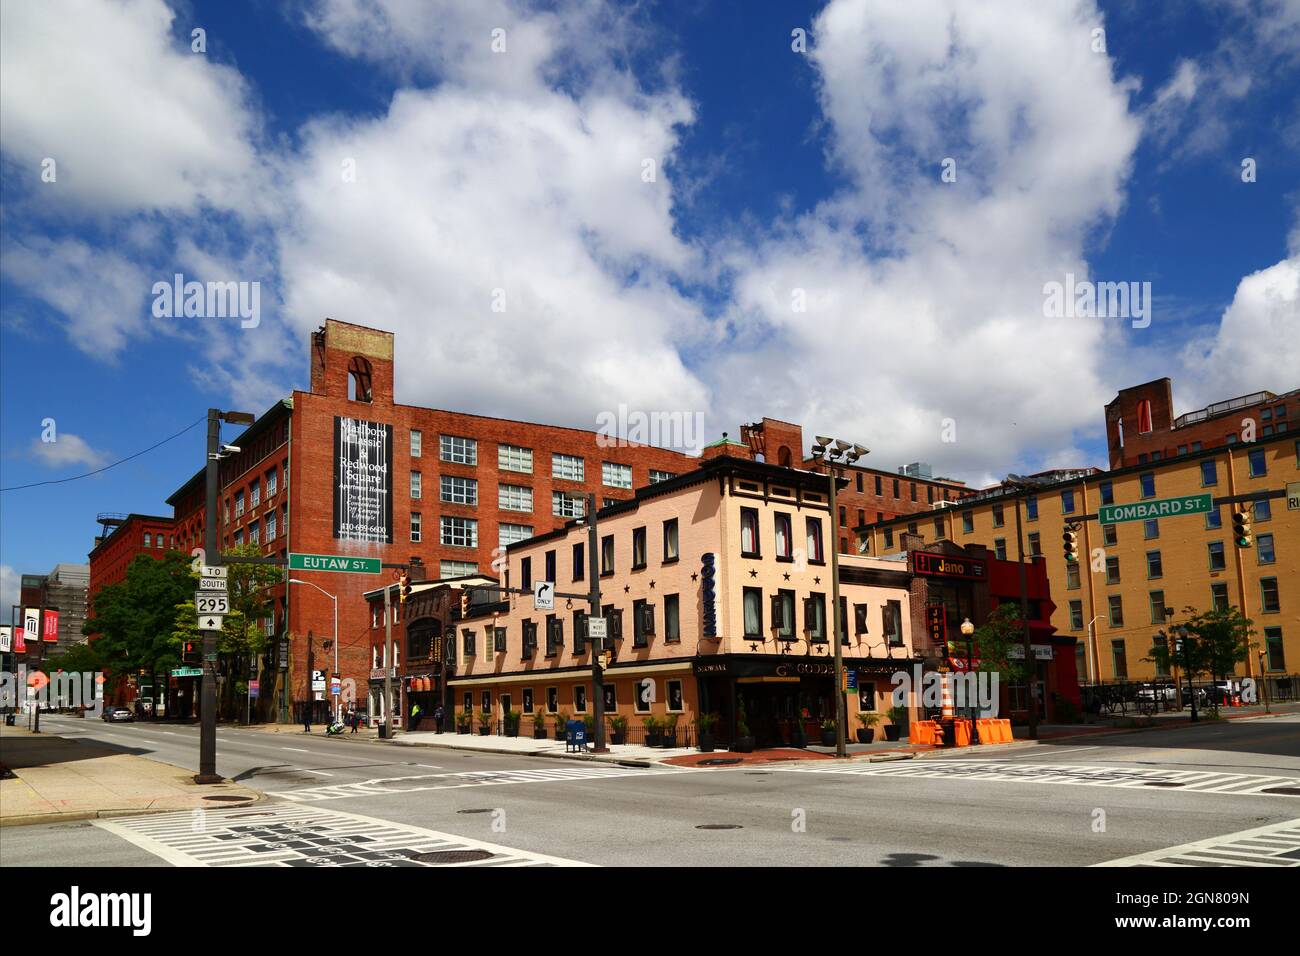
363	480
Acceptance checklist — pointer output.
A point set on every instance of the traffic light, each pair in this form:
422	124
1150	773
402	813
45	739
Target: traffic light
403	587
190	652
1241	526
464	603
708	596
1071	541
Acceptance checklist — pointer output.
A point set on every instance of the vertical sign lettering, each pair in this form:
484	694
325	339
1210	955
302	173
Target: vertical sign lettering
363	468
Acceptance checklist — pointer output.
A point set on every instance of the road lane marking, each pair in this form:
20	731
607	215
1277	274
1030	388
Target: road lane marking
1275	845
455	781
320	773
296	750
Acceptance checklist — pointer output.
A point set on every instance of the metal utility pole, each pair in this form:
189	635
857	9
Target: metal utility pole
389	727
1031	664
211	555
597	672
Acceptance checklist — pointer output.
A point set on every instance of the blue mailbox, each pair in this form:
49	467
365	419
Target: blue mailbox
575	735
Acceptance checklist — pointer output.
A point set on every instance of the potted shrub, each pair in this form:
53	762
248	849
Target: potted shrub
512	723
561	726
798	735
704	724
464	721
866	733
484	725
618	729
744	743
895	726
590	722
539	725
652	725
670	730
828	733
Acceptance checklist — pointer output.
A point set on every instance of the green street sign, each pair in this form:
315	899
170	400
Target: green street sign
333	562
1155	508
187	672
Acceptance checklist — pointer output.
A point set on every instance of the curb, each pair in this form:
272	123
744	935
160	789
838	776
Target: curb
584	758
32	819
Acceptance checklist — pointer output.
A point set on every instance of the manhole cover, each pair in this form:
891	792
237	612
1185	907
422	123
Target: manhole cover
228	798
1162	783
719	826
758	773
454	856
477	810
1283	791
718	761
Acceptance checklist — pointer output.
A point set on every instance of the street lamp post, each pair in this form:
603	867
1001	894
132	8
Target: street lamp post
833	453
335	642
1022	485
968	631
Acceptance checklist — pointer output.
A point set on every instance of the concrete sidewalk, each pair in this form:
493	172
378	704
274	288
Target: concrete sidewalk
56	779
528	747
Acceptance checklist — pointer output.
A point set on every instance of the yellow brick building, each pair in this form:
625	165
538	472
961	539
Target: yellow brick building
1113	598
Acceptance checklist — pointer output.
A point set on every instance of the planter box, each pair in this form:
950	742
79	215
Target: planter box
828	738
670	740
706	743
539	733
484	731
866	735
892	731
653	739
743	745
617	738
560	735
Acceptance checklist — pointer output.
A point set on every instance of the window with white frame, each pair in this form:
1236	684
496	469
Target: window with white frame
514	498
508	534
415	526
459	491
255	494
566	506
456	569
270	525
458	532
254	533
461	450
272	482
515	458
417	443
417	484
568	467
615	475
658	476
239	505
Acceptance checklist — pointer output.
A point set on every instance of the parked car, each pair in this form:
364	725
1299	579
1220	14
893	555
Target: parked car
1157	692
116	714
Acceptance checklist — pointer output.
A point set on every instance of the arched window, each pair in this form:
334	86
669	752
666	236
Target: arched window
1144	416
783	457
359	380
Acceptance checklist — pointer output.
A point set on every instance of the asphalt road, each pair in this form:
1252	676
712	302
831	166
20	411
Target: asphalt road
1081	803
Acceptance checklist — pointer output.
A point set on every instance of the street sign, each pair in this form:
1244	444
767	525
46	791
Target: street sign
318	681
1155	508
1293	496
284	655
209	603
252	689
333	562
336	687
210	622
597	628
212	584
543	595
187	672
213	570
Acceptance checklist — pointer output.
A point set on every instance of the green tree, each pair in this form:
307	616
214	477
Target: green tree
994	639
1215	643
243	639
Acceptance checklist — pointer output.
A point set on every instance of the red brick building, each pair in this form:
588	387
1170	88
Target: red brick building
1141	427
114	551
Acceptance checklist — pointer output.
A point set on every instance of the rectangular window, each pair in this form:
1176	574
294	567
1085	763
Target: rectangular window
672	618
1155	567
580	698
487	702
417	485
514	498
1258	465
508	534
272	483
1214	518
567	506
1263	510
607	554
1264	549
861	613
254	533
967	522
255	494
814	618
1209	473
459	532
1067	501
640	634
1031	507
530	639
1151	528
1112	570
1107	493
615	475
671	552
514	458
783	615
1270	603
893	622
459	491
1076	615
657	476
456	569
753	608
1219	596
889	537
782	537
579	561
526	573
1000	548
239	505
464	451
579	632
1148	482
1157	599
1072	576
415	526
1217	562
1273	646
1110	535
1035	544
638	548
550	567
880	492
417	443
468	642
749	532
999	519
567	467
270	525
1116	611
554	635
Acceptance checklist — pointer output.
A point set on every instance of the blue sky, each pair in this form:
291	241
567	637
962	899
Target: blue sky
779	175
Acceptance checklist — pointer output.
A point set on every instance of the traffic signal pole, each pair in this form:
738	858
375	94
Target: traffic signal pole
212	554
597	673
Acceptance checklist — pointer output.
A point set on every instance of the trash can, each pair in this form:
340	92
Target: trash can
383	730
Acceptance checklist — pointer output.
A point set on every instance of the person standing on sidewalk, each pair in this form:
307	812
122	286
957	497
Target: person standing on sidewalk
438	716
306	718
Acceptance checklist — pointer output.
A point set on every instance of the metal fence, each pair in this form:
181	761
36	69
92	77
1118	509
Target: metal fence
1164	694
684	733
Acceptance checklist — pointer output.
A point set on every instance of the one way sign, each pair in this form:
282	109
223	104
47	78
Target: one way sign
544	595
210	622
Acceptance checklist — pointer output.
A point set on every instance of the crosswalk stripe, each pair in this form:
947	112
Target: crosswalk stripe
1247	848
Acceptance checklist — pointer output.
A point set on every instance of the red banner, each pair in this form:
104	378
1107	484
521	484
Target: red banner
20	641
51	634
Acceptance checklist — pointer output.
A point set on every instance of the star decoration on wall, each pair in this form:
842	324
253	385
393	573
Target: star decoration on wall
652	584
817	580
753	573
626	588
753	647
787	575
694	575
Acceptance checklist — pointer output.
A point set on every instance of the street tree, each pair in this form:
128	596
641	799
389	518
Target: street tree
1216	642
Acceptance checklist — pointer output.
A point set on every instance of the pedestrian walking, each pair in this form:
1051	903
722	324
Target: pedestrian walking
438	716
306	719
415	716
356	720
